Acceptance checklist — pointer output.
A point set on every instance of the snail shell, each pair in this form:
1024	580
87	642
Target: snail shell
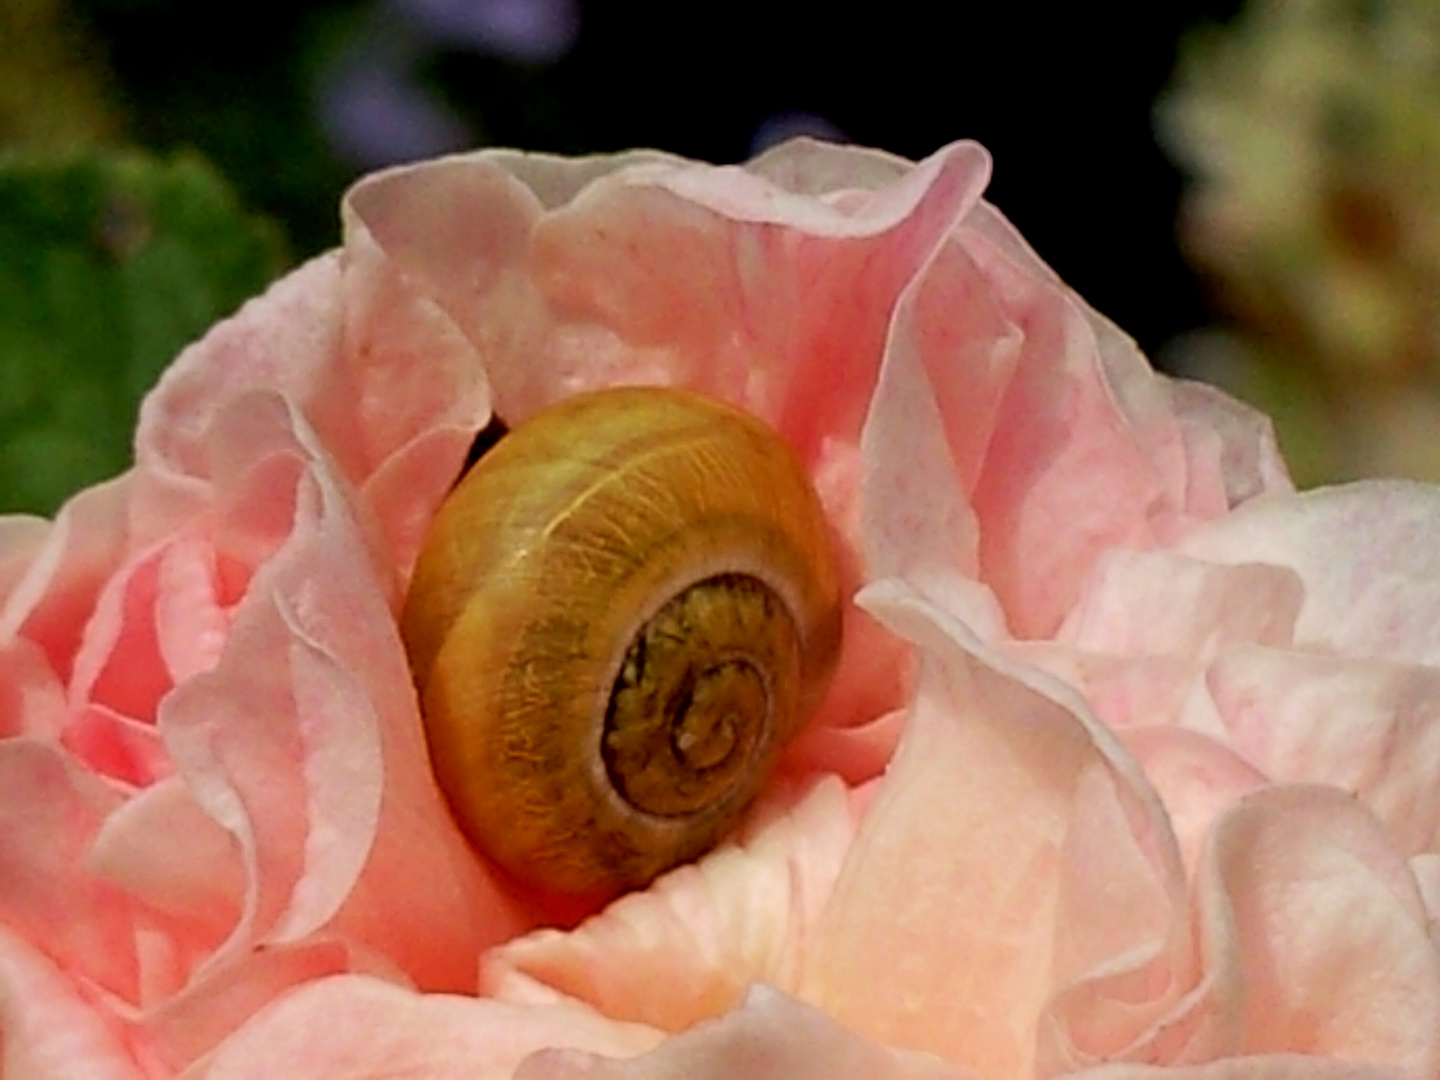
617	620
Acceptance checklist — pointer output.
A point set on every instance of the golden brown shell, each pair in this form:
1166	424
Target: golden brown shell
618	619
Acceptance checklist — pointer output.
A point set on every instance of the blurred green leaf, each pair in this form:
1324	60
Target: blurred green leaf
110	263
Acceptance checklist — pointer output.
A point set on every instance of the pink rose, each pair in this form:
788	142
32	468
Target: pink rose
1130	760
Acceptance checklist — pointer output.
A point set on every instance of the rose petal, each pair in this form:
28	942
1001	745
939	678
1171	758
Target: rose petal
941	934
52	600
1250	1067
1127	691
1088	452
1366	555
705	931
32	699
49	815
1302	891
1369	727
136	848
22	536
352	1027
1239	441
1196	777
284	742
770	1037
47	1031
654	289
189	1024
1155	603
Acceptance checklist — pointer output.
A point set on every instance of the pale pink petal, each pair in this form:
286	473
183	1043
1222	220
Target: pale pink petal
814	167
1228	437
1092	449
555	179
1304	895
770	1037
1369	727
1196	777
856	753
410	399
1366	554
876	672
1084	456
47	1030
1123	691
704	932
358	1028
1155	603
941	934
916	520
1426	869
736	287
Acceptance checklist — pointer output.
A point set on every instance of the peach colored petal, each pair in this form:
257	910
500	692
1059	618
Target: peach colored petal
383	376
1250	1067
351	1027
119	665
52	599
115	746
32	699
770	1037
704	932
192	618
49	815
283	744
47	1030
1366	555
192	1022
1369	727
136	845
22	536
942	931
1303	893
282	341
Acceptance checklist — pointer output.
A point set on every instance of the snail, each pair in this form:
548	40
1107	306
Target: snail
617	620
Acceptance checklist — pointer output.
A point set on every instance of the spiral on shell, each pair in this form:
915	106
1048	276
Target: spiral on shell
617	620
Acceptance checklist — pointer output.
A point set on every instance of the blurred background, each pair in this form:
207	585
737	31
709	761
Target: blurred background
1251	188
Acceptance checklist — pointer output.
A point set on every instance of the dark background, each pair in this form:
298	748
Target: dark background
1062	96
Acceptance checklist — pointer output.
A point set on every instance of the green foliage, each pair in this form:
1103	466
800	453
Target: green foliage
110	263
